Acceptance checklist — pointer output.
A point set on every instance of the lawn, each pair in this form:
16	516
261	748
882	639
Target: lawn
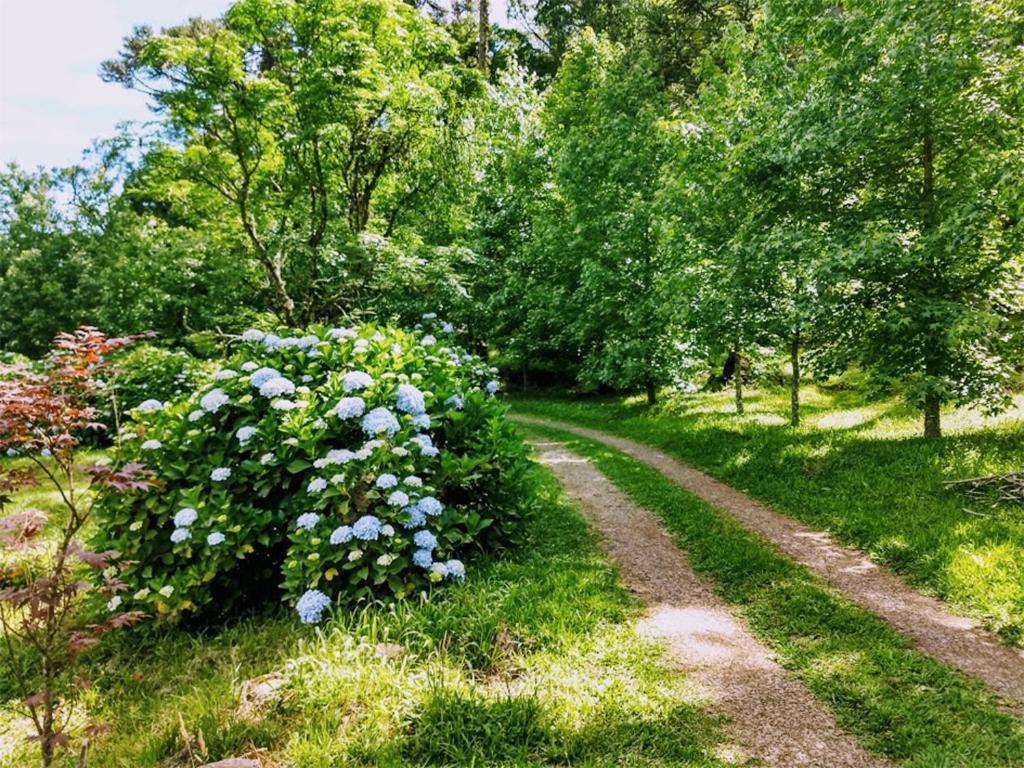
858	469
533	661
893	699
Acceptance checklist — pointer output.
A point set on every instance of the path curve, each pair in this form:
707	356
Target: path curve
934	629
774	718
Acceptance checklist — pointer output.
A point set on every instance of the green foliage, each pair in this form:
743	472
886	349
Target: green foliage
288	462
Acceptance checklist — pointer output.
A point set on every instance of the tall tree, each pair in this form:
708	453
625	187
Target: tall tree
299	115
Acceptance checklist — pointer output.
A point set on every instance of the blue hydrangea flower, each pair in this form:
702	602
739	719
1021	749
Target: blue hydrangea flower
261	376
356	380
225	374
366	528
430	315
245	434
215	538
387	480
424	558
316	485
253	334
311	606
410	400
425	540
421	421
428	340
277	387
185	517
307	521
398	499
454	402
271	341
447	328
151	445
456	570
350	407
249	366
492	387
220	474
412	482
380	420
425	444
414	517
308	341
214	400
149	406
179	535
341	535
428	505
196	415
340	334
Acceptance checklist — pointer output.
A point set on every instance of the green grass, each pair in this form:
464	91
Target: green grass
533	661
896	701
859	470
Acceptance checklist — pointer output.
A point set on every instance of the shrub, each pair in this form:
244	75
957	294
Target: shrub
355	463
147	371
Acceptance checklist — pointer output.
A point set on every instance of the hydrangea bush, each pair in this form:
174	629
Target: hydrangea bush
358	463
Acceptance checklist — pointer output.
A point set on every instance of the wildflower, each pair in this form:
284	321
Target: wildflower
179	535
456	570
410	399
366	528
214	400
220	474
350	407
307	521
454	402
398	499
381	420
196	415
245	434
414	517
412	482
149	406
316	485
262	376
249	366
356	380
225	374
425	540
492	387
114	603
386	481
276	387
215	538
151	445
311	606
428	505
185	517
341	535
423	558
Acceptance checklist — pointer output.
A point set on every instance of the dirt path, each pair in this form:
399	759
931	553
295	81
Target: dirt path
954	639
775	719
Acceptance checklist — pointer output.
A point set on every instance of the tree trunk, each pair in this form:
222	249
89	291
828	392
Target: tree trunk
483	30
794	389
285	303
737	380
932	418
652	392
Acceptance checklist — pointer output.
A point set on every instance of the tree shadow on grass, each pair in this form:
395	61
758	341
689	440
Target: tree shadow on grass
463	729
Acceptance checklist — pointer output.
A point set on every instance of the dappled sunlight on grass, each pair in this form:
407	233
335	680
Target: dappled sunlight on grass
875	484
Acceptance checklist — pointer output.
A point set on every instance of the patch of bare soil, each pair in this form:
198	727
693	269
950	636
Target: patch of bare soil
933	628
774	719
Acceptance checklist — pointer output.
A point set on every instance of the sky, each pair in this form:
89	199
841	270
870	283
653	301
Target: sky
52	101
